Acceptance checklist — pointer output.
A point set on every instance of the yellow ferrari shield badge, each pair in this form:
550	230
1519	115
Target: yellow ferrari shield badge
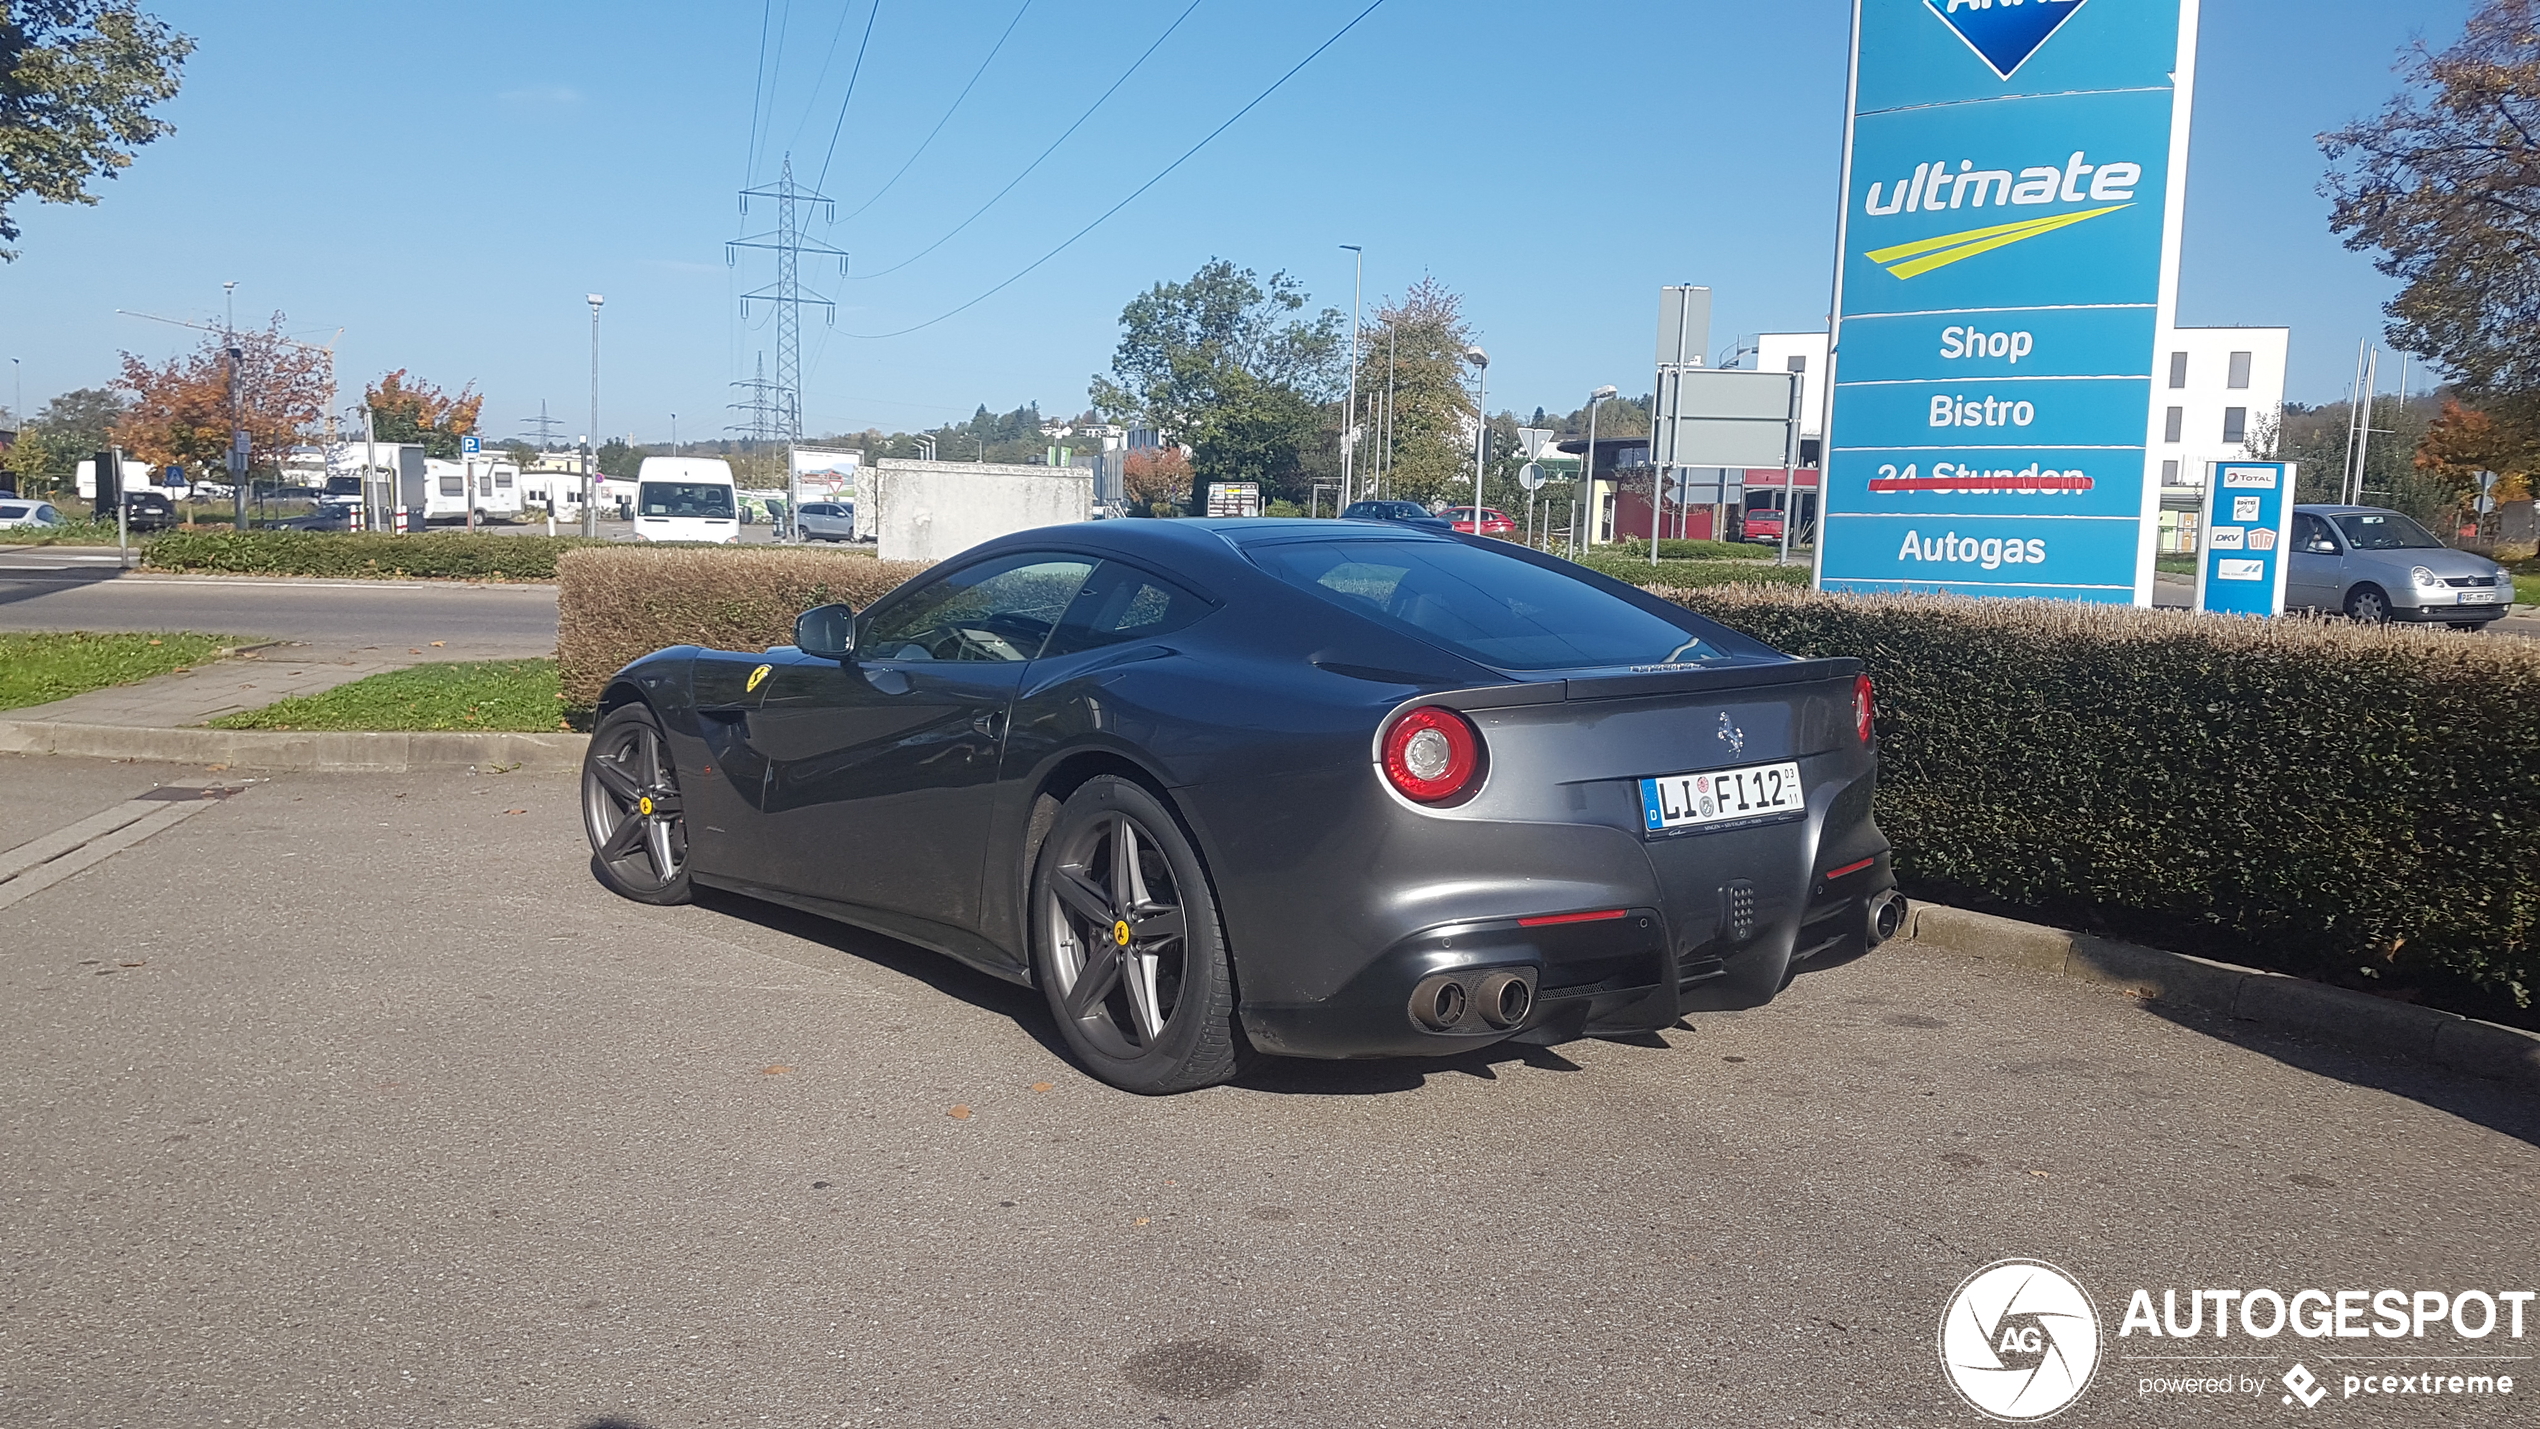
644	805
756	676
1120	933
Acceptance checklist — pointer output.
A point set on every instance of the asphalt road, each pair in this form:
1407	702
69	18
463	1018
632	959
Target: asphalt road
353	1101
80	588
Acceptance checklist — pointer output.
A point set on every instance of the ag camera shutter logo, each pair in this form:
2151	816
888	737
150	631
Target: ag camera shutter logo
2019	1341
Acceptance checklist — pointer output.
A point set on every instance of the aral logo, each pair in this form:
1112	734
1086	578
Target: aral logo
2004	33
2019	1340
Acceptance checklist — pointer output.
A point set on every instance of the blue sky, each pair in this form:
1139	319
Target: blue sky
444	184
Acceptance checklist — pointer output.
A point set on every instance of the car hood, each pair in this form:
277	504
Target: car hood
2443	562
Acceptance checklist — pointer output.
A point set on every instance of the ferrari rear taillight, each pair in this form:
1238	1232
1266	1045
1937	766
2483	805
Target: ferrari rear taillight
1864	707
1433	754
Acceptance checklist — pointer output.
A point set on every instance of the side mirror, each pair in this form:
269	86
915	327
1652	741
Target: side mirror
826	632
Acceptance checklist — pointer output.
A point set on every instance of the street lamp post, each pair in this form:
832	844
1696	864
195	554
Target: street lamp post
1349	422
1585	490
590	484
1481	430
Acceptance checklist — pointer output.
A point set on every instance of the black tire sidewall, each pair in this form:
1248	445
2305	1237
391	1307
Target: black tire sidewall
1198	1048
678	890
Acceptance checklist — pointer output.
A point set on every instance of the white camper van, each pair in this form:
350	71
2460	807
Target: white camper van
686	499
136	477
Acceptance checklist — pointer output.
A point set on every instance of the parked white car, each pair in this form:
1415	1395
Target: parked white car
19	513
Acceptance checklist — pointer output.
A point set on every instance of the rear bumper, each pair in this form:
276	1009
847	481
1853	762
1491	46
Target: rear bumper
1602	976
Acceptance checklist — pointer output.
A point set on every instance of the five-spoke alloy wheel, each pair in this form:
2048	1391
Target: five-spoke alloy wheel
1127	944
631	809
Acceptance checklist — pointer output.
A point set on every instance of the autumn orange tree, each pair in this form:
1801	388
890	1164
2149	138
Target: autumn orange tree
2465	441
409	409
1158	478
182	412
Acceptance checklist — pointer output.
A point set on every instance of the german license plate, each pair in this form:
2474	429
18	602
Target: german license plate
2481	597
1722	796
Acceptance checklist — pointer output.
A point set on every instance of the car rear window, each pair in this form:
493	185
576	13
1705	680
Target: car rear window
1497	610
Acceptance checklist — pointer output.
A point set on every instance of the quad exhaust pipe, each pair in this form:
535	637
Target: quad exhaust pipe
1453	1002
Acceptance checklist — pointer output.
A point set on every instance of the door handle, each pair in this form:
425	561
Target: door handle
986	723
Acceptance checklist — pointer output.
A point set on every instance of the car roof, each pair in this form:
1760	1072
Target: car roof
2316	509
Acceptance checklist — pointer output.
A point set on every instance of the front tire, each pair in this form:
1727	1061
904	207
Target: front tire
631	810
1127	944
2367	605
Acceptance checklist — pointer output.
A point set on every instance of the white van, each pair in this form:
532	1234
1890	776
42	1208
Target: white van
136	477
686	499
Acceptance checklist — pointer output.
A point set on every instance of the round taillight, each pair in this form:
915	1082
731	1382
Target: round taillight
1864	707
1433	754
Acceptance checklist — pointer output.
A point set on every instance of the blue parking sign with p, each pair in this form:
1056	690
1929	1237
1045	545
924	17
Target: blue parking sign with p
2248	529
470	446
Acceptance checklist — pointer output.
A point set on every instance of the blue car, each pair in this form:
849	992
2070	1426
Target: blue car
1404	513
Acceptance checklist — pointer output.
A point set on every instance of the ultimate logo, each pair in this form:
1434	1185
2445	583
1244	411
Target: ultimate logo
2004	33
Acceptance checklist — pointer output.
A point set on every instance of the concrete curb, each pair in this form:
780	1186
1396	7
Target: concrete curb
2374	1024
309	751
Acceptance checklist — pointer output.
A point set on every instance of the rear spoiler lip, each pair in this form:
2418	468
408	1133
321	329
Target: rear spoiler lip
1693	680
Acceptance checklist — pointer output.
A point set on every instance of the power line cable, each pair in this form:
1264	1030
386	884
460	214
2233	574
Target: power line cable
841	126
758	90
1185	158
1043	156
948	114
827	57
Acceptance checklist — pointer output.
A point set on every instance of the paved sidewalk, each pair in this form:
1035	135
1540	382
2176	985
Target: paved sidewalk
256	677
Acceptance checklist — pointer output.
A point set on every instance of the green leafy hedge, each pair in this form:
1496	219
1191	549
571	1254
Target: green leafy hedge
2360	804
441	554
1671	549
1694	574
622	602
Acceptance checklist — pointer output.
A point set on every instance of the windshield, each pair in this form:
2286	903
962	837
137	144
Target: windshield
343	486
1497	610
703	500
2385	531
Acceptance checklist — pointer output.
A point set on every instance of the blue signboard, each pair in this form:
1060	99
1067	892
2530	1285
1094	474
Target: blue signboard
2006	262
470	446
2248	528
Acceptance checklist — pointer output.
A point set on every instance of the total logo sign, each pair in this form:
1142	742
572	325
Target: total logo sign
2021	1341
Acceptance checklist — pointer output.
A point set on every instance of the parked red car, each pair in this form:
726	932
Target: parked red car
1493	523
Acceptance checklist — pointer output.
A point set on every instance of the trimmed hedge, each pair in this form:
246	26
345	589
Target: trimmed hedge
1694	574
1671	549
621	602
363	554
2354	803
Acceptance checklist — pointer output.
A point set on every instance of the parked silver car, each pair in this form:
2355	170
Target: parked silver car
2374	565
827	521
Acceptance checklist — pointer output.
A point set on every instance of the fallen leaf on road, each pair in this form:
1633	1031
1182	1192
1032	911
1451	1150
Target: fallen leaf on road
437	644
412	651
1044	1086
143	963
2038	1173
1142	1220
515	811
959	1113
216	768
774	1071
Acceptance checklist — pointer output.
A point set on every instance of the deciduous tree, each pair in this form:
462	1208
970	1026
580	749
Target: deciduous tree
409	409
78	79
2464	442
183	411
1220	364
2444	183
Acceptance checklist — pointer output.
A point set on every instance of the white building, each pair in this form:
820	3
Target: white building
2217	392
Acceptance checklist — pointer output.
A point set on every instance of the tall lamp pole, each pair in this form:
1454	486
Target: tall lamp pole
1481	430
1349	422
590	484
1585	491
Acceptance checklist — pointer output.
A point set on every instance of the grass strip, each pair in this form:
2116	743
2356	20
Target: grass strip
40	667
513	696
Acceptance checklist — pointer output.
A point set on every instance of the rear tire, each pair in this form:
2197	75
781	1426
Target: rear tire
2368	605
1128	947
632	812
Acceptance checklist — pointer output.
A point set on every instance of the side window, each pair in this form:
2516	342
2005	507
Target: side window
1120	604
2308	531
996	610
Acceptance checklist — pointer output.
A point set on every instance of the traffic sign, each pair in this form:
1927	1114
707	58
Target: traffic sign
1530	476
470	446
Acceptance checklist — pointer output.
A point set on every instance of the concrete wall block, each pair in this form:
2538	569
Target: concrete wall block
2153	973
1985	936
2340	1015
931	510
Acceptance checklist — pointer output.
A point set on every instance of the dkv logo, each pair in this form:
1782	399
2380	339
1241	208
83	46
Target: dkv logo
2019	1341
